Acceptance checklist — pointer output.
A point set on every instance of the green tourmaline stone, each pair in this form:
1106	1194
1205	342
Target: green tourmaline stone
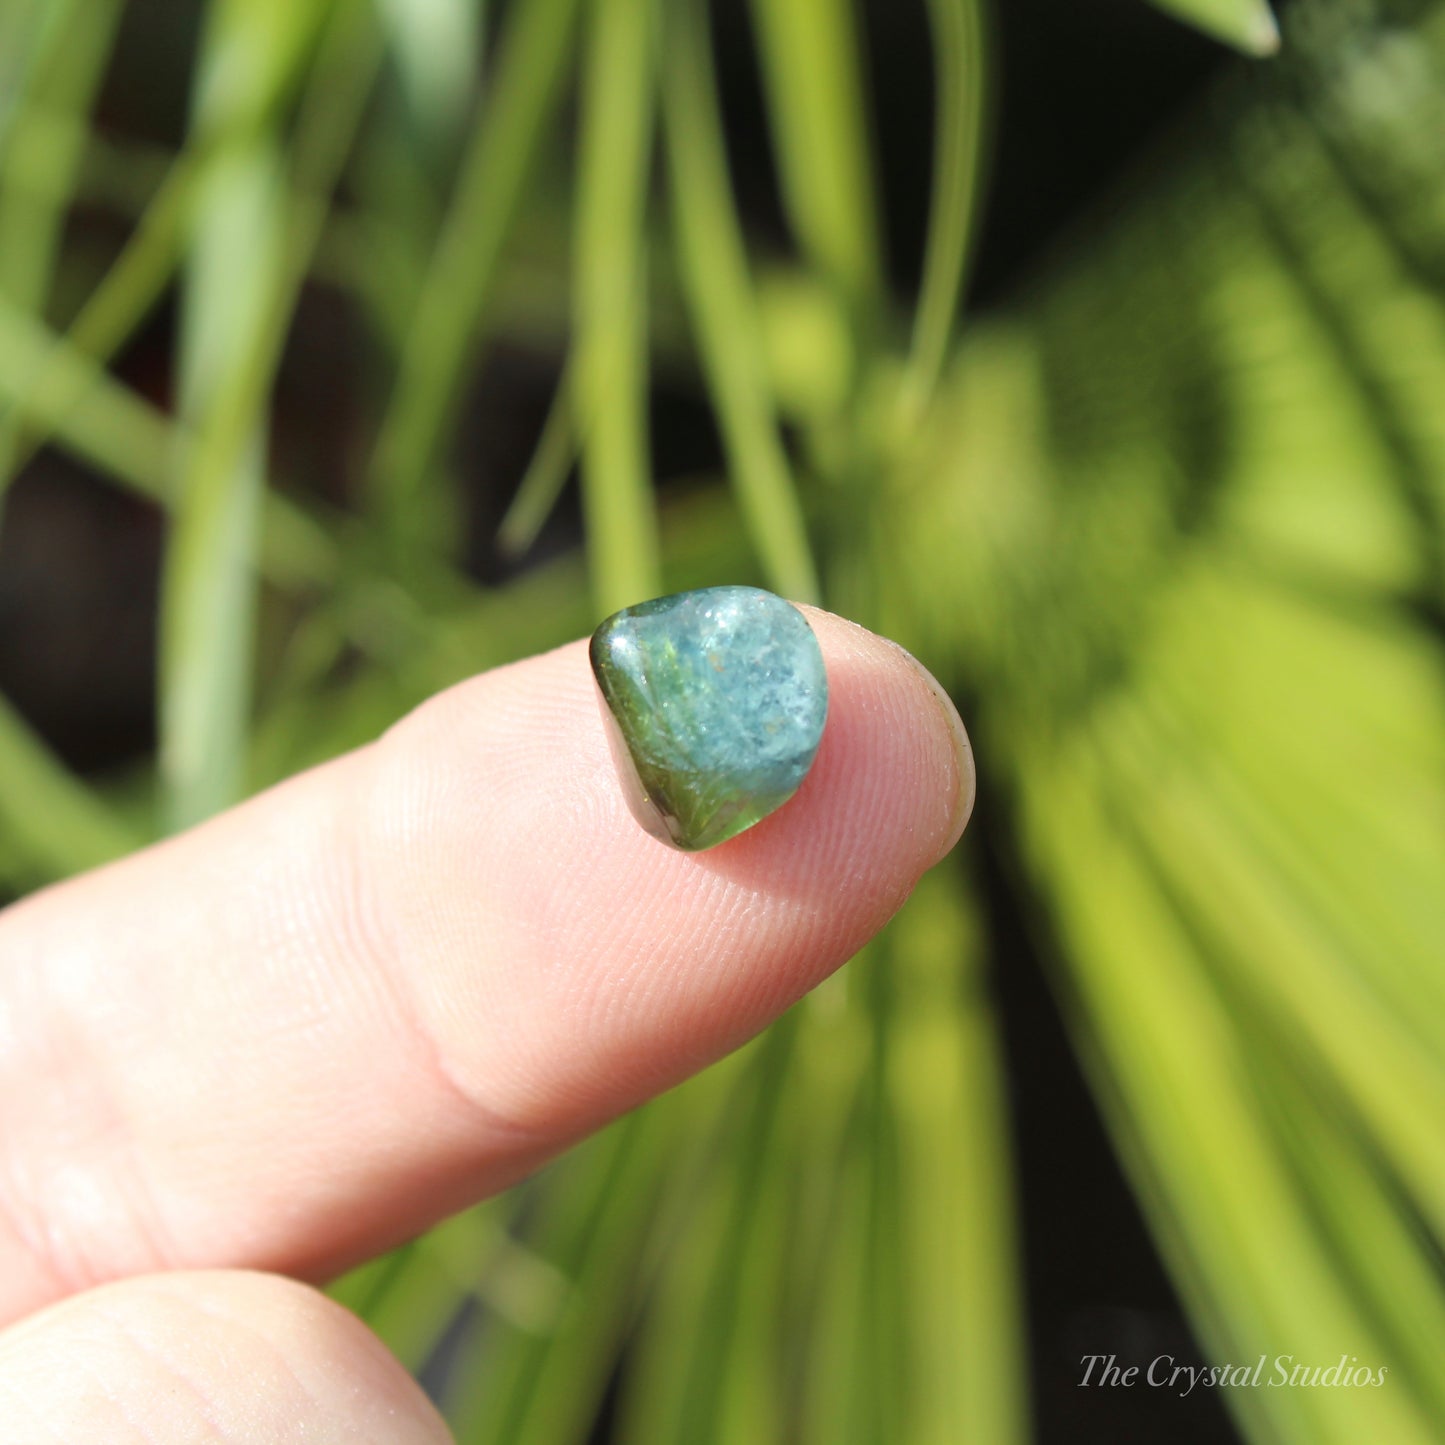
715	701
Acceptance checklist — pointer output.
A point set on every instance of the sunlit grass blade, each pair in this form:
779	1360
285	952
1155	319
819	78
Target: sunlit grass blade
966	1354
451	312
961	111
248	256
542	1386
437	44
255	84
480	1249
546	474
208	585
916	1265
60	100
414	1297
1204	785
734	1328
826	1088
714	267
880	1369
32	34
610	298
121	301
592	1232
125	437
835	1401
711	1360
1163	1051
1248	25
818	102
49	817
1310	990
421	1301
1391	1264
1364	862
91	415
1363	278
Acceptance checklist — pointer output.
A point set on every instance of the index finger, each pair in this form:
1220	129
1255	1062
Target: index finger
317	1023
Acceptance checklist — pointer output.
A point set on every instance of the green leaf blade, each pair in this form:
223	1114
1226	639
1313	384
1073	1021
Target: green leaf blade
1248	25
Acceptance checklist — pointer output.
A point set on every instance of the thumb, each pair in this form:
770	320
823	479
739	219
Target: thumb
251	1359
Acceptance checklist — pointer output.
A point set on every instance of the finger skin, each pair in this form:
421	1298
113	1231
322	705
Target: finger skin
240	1358
369	996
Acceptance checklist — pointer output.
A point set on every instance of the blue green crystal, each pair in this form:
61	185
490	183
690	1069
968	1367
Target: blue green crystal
716	701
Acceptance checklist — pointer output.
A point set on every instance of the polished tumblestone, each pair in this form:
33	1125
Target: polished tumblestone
715	702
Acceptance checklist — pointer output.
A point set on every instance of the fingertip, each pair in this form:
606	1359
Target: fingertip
615	964
963	787
898	746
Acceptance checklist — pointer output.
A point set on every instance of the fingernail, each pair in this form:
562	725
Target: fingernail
714	703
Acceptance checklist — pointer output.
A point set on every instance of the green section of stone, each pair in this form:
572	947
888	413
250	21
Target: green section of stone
716	701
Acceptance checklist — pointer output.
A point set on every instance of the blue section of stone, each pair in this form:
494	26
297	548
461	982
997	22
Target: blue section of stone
719	696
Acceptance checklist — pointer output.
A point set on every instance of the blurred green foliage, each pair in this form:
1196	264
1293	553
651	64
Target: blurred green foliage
1173	521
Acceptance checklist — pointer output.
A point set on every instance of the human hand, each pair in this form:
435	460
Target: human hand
264	1050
